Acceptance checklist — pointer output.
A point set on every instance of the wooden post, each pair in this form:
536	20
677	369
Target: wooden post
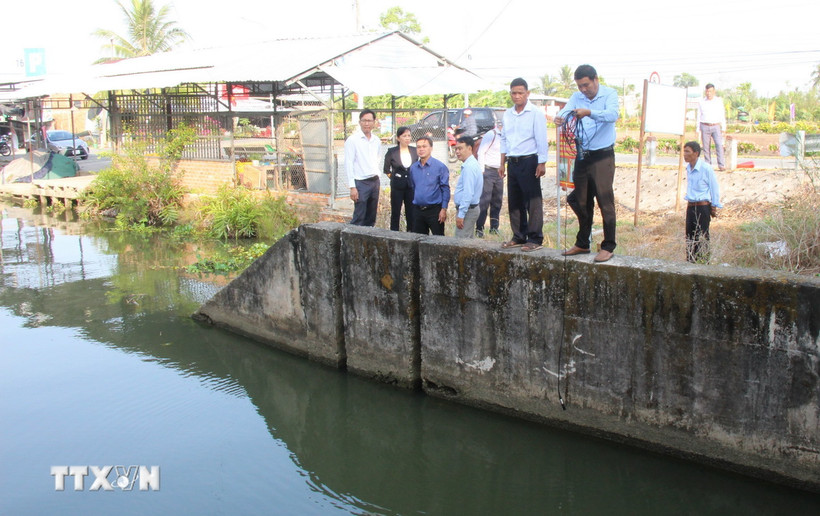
640	153
680	159
680	170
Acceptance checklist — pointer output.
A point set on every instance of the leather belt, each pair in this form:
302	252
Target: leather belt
705	123
424	207
516	159
699	203
593	156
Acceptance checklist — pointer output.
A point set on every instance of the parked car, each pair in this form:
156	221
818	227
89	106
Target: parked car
68	144
433	123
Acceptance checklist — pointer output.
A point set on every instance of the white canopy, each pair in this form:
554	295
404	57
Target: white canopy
369	64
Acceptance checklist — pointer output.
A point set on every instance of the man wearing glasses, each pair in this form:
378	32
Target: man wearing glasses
362	151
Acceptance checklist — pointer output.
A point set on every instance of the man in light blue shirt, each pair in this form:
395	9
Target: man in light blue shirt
703	195
596	109
468	189
524	155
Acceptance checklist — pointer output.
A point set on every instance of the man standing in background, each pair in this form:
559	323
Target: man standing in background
711	125
362	152
489	156
469	126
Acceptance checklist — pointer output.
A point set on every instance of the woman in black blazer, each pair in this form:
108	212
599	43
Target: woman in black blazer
397	163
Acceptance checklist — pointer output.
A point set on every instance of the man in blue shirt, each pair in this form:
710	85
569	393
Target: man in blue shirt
524	154
596	108
430	180
468	189
703	195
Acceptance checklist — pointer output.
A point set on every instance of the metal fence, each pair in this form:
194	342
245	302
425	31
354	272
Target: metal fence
297	150
148	117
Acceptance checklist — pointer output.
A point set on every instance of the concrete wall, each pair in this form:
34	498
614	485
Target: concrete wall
715	364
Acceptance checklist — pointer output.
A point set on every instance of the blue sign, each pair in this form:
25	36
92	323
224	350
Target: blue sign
35	61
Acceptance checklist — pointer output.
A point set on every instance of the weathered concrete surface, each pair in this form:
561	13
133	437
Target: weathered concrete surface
711	363
717	364
290	297
381	303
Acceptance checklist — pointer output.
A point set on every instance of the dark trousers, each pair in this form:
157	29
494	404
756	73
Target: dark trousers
697	232
491	198
593	178
425	220
399	195
365	209
524	198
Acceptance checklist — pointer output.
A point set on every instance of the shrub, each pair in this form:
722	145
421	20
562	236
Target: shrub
628	144
747	147
794	230
668	145
231	259
236	213
138	192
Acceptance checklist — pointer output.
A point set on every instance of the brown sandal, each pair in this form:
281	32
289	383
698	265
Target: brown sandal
511	244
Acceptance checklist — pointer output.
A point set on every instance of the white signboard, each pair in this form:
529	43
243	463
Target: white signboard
665	109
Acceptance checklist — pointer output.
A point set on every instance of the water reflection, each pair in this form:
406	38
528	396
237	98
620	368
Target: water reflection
241	428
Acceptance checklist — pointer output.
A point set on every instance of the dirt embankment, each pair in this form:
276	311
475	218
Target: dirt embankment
659	186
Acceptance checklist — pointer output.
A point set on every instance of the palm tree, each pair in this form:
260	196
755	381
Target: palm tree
815	77
549	85
149	32
566	80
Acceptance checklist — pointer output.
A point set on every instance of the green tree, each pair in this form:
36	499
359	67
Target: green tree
622	89
489	98
549	85
149	32
396	19
685	80
566	78
815	77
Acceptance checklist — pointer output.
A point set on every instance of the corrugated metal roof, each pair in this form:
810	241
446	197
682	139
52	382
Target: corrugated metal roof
370	64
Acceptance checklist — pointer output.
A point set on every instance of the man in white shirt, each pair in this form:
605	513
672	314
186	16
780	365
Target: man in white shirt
362	151
711	124
489	156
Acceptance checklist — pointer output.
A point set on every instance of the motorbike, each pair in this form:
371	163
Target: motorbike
5	146
451	144
452	134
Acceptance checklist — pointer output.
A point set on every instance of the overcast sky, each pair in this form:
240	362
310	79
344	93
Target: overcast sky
773	45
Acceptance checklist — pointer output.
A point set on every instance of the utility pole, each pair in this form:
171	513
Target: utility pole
358	22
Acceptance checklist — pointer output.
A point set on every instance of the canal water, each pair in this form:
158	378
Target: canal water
102	366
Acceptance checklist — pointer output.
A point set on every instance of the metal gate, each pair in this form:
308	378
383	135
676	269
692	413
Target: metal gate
317	156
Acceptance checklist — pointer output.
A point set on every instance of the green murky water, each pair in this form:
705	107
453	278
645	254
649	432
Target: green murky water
100	365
